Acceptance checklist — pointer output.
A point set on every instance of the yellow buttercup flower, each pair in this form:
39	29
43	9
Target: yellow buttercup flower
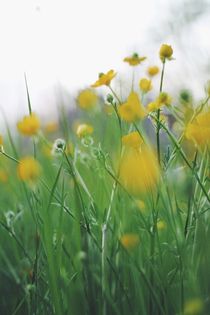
134	60
129	241
165	52
145	85
87	99
51	126
1	140
139	171
29	125
28	169
133	140
199	130
133	109
193	307
104	78
152	106
153	70
163	99
84	130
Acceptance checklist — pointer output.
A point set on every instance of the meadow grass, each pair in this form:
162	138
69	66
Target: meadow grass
94	222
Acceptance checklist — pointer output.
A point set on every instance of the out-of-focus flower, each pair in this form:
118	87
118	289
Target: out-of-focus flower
133	109
163	99
29	125
134	60
28	169
87	99
199	130
84	130
59	146
3	176
139	171
129	241
153	70
165	52
133	140
51	126
104	78
145	85
193	307
152	106
161	225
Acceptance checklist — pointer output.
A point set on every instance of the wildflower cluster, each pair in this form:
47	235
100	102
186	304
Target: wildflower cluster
105	210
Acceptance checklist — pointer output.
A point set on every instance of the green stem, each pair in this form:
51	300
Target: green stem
158	116
115	95
177	145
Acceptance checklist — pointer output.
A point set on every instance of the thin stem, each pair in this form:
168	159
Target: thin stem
28	97
177	145
158	116
115	95
9	156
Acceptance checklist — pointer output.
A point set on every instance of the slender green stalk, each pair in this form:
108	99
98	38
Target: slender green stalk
158	126
115	95
104	249
177	145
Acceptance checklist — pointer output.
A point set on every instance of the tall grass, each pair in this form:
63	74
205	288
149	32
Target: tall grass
62	246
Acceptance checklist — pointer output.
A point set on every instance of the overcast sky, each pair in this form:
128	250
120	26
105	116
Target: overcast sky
67	42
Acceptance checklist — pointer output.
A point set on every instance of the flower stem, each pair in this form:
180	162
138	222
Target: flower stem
158	115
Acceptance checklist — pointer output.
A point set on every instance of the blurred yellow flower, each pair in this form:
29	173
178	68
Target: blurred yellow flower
152	106
1	140
165	52
134	60
84	130
199	130
129	240
3	176
51	126
133	140
87	99
193	307
153	70
28	169
161	225
133	109
139	171
104	78
29	125
145	85
163	99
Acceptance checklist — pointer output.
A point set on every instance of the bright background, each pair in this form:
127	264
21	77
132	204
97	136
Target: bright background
63	45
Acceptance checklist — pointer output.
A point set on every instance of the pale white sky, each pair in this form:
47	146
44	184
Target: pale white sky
70	41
